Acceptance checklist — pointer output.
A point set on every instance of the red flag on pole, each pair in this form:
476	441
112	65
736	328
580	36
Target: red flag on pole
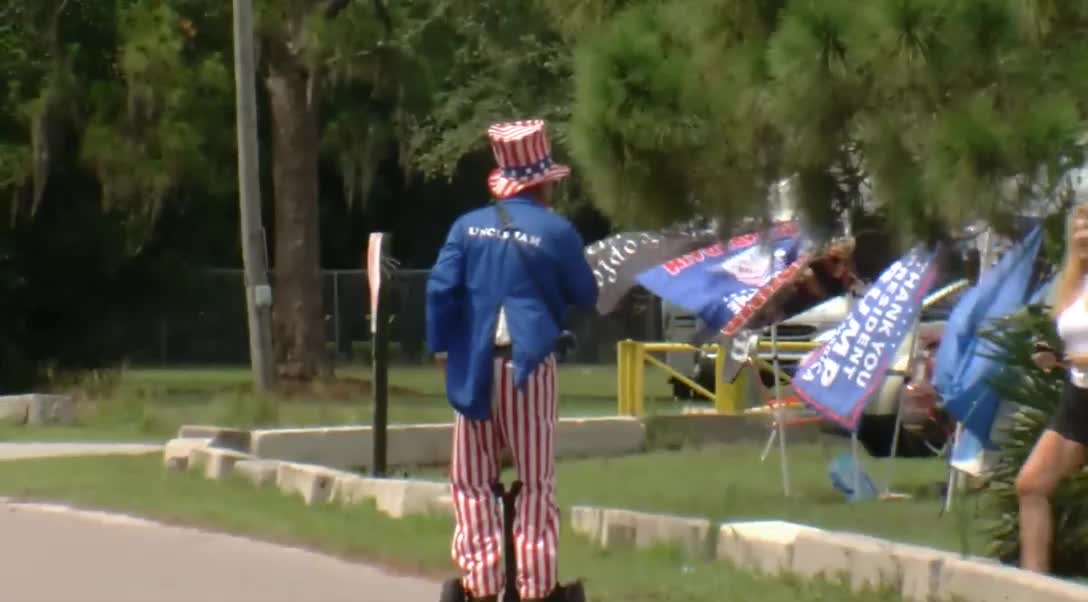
374	275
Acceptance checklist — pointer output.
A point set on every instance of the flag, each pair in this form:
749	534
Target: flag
964	357
715	282
374	274
618	259
840	376
848	477
969	454
1042	296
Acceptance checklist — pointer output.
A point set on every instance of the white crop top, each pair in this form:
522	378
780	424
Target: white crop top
1073	324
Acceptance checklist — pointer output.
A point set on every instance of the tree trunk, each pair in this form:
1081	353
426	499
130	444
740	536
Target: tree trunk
298	328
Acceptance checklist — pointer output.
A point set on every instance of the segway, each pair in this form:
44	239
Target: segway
453	590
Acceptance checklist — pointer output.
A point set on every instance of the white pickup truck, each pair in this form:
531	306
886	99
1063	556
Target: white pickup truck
918	437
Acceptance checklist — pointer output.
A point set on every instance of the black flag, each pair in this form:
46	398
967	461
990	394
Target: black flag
620	258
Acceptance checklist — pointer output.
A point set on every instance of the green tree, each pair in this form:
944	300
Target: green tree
939	112
73	260
146	88
343	57
122	79
485	61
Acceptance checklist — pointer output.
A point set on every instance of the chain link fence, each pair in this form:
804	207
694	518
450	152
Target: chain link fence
210	328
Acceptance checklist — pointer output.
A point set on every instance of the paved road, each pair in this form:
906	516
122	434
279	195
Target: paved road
54	554
21	451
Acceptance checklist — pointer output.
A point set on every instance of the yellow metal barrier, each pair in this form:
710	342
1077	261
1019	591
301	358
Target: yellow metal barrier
763	364
789	345
631	360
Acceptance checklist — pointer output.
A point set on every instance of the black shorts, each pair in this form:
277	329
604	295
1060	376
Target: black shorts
1071	417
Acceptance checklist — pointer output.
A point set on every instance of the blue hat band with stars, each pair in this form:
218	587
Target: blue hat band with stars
524	172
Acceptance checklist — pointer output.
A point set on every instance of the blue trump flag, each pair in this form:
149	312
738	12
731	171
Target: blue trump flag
840	377
1041	295
968	454
964	356
716	282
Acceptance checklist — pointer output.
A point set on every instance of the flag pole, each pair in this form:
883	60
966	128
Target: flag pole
985	258
911	366
854	443
848	231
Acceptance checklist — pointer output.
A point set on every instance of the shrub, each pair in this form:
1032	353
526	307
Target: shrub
1037	393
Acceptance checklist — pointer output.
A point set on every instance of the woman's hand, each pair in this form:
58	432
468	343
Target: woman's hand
1045	360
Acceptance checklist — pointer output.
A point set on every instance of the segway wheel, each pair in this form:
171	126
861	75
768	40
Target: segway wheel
572	592
453	591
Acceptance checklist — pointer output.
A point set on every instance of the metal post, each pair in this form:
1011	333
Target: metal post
381	384
781	413
254	254
854	447
848	231
380	354
953	474
899	407
336	314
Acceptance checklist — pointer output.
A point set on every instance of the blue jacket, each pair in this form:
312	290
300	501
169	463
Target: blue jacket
478	270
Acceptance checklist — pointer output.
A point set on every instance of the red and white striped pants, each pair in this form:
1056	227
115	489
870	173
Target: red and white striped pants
524	422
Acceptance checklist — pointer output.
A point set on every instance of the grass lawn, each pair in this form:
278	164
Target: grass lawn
142	404
729	483
576	381
139	485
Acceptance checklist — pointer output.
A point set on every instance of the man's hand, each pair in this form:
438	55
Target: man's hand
566	343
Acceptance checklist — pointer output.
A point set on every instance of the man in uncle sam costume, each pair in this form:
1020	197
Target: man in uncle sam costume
496	301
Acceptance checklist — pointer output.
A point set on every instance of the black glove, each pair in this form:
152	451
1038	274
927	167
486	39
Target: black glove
565	344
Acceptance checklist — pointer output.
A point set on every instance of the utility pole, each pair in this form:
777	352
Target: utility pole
254	251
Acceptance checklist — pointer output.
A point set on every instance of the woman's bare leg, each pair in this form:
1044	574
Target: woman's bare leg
1053	459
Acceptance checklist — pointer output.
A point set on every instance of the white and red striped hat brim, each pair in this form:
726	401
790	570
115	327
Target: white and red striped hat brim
523	153
502	187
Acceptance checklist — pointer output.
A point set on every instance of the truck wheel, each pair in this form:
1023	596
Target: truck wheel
876	433
680	390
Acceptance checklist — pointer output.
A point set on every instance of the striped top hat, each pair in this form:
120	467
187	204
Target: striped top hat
524	155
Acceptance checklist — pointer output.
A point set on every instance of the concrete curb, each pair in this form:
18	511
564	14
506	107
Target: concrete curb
258	472
776	547
222	437
610	527
176	452
313	483
762	546
37	408
396	498
217	464
314	463
351	447
772	547
416	445
972	581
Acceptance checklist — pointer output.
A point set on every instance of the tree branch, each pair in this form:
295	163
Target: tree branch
383	14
